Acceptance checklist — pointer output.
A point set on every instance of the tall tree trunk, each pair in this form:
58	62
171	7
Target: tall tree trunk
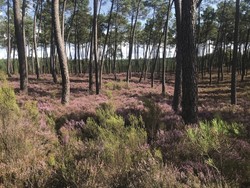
79	54
155	61
62	23
61	53
163	91
71	21
189	83
96	46
24	35
75	55
131	40
13	59
115	52
20	46
52	55
91	64
145	58
105	42
178	69
236	32
244	58
8	38
37	63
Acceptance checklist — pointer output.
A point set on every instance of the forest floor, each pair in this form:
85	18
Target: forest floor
214	99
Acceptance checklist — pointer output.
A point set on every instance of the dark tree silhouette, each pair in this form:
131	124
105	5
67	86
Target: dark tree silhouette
189	82
20	46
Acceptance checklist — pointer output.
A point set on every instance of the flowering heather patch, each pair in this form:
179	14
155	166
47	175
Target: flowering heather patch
88	143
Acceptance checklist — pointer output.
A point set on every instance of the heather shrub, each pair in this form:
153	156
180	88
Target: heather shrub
116	85
220	147
212	154
30	107
212	135
107	153
24	145
8	105
109	94
151	117
3	76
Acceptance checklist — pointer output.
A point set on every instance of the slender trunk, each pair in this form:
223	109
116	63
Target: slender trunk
144	66
79	55
52	55
75	55
91	65
14	57
131	41
20	46
164	50
61	53
105	42
63	18
96	46
71	22
155	61
115	52
37	63
178	69
233	78
8	36
244	58
144	61
24	35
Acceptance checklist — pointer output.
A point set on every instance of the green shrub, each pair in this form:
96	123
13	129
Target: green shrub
116	85
212	135
109	94
8	105
31	108
220	146
151	117
24	145
2	65
3	76
109	154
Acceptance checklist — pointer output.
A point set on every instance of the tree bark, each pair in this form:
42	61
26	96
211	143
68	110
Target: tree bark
91	64
105	42
244	58
189	83
236	32
37	63
131	40
164	50
24	35
8	37
178	69
96	46
20	46
52	55
61	53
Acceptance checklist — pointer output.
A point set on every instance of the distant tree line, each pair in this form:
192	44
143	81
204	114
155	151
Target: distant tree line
208	36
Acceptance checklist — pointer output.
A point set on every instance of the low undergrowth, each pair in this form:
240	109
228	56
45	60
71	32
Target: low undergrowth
107	151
